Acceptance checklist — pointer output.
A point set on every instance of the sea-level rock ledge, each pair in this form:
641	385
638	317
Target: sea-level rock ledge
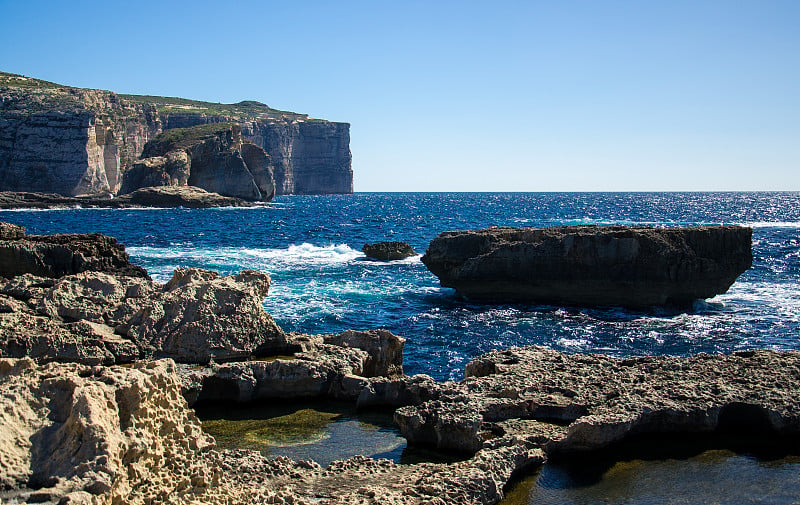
591	265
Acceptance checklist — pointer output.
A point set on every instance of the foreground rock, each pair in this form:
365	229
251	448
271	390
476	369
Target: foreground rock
337	367
77	434
98	435
589	265
58	255
388	251
569	403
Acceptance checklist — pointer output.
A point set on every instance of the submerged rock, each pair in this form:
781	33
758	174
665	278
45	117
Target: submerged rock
388	251
590	265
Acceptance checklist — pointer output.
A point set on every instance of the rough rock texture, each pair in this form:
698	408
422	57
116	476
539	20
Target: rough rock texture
77	434
97	318
387	251
162	196
71	141
10	231
385	350
334	366
58	255
590	265
206	156
99	435
567	403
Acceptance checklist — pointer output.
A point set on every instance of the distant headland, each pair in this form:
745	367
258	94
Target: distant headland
79	142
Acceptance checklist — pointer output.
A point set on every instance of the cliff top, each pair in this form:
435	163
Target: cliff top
19	93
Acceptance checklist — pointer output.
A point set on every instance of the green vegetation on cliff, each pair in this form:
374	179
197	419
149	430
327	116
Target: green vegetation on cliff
180	138
54	95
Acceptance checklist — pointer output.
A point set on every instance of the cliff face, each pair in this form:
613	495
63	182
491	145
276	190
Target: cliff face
66	140
309	156
72	141
212	157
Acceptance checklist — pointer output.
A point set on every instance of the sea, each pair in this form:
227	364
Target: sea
323	283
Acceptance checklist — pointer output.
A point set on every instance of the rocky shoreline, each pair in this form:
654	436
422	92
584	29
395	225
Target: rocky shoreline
99	367
189	197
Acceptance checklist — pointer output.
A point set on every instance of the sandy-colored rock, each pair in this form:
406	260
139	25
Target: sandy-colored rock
385	350
591	265
602	400
103	435
94	318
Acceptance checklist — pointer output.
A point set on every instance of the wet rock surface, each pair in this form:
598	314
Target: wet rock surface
388	251
591	265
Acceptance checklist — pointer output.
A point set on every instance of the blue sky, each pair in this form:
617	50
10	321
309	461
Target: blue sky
467	96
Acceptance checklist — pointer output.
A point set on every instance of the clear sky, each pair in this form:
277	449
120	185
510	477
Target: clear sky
466	96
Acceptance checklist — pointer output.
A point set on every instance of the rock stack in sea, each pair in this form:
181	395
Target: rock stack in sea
388	251
591	265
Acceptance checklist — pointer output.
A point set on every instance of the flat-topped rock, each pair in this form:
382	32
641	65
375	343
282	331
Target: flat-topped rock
566	403
190	197
591	265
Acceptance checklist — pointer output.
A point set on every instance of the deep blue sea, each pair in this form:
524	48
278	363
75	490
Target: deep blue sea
321	282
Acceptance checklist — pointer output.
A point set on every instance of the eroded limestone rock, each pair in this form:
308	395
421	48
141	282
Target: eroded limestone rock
96	435
591	265
530	393
97	318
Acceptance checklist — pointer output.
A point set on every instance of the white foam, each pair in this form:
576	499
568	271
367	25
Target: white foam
269	259
771	224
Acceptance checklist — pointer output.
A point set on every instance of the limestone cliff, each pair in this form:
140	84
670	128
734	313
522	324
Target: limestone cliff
68	141
212	157
73	141
309	156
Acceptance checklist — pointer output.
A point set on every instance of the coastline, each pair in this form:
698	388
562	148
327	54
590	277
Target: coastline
513	410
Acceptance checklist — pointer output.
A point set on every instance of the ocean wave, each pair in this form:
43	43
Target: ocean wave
771	224
293	255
